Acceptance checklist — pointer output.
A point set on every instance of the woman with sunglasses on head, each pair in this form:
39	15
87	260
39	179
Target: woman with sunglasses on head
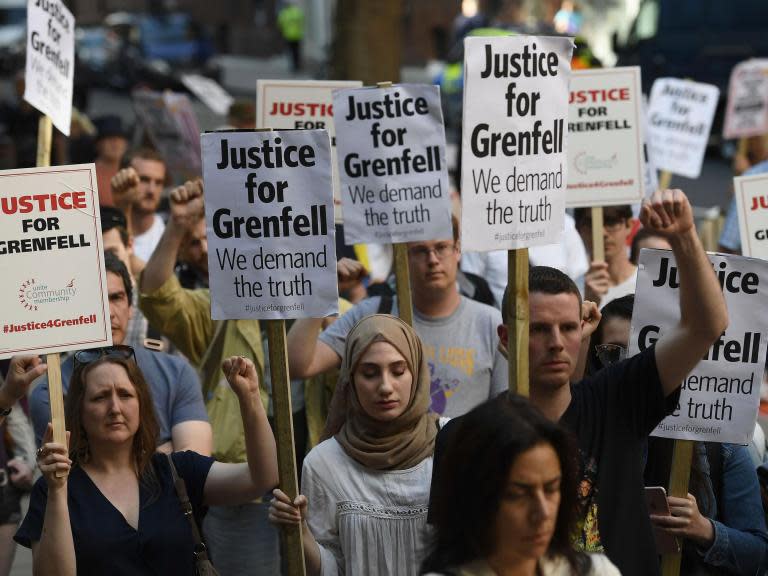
720	522
365	489
506	496
109	504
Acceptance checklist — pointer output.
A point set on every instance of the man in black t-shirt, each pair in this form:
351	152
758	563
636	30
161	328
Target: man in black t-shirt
613	411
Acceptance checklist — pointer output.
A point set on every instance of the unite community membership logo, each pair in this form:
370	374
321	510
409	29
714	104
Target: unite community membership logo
34	293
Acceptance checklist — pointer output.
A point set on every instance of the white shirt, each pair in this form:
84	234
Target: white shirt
145	244
366	522
621	289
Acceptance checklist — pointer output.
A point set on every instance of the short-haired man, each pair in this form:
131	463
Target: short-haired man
459	334
616	276
174	384
136	190
613	411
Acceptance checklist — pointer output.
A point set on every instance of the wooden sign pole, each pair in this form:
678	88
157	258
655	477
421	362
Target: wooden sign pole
665	179
286	454
55	391
402	276
518	316
679	476
598	242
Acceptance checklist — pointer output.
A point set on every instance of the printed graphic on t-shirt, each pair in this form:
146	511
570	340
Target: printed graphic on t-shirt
444	362
586	536
440	390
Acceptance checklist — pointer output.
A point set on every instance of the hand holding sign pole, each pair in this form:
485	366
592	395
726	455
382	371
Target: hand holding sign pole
269	221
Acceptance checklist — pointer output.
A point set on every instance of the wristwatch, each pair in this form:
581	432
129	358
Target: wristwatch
5	411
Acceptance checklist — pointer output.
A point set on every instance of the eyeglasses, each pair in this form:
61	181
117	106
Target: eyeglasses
84	357
610	222
610	353
441	251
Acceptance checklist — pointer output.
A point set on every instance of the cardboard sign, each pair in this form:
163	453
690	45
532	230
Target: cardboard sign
747	111
394	177
605	141
720	397
209	91
50	68
302	104
54	288
752	209
680	117
269	222
171	124
514	147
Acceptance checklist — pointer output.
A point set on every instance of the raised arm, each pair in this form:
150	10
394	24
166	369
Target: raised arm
54	554
22	371
186	210
231	484
307	357
703	314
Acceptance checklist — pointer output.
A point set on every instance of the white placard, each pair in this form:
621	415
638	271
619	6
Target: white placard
752	209
720	397
209	92
746	113
50	68
54	288
680	117
605	140
394	176
269	222
514	146
302	104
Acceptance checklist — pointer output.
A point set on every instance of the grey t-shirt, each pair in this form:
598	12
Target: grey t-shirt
465	365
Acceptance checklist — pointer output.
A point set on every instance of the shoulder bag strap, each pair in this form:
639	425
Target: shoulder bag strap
201	552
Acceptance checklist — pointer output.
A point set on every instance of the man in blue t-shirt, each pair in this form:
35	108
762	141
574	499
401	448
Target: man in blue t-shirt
174	383
730	238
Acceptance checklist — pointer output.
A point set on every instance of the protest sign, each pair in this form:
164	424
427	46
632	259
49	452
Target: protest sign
50	67
514	156
680	117
720	397
52	261
605	142
746	113
171	124
271	239
752	209
209	92
394	177
303	104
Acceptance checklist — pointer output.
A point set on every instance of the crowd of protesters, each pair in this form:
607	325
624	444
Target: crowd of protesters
414	458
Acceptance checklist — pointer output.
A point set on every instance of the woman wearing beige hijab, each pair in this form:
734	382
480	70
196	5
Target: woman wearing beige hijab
365	488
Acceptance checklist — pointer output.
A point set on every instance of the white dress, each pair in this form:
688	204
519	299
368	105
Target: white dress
366	521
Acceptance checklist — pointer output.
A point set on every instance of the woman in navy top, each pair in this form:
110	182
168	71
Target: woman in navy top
116	510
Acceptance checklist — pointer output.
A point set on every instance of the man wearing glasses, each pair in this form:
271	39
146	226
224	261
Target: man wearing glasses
615	277
174	383
459	334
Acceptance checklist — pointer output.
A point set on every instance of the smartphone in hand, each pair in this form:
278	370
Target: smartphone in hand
656	500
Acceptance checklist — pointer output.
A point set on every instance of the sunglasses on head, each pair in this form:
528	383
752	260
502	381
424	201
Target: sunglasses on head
84	357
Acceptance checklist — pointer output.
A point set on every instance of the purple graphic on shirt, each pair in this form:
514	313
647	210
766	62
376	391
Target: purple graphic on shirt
440	391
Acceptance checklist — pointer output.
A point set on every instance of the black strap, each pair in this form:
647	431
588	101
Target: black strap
201	552
385	304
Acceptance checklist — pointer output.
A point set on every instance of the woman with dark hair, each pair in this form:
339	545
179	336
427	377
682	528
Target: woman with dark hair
110	504
365	488
505	500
